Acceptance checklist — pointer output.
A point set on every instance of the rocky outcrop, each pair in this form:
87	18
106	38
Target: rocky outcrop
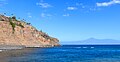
15	32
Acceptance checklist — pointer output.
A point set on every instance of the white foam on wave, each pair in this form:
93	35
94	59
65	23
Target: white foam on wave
0	50
63	50
85	47
81	47
92	47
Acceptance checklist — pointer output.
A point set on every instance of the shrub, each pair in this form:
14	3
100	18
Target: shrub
21	25
28	23
14	17
4	13
12	24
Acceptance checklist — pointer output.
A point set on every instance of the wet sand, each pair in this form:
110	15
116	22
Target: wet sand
7	54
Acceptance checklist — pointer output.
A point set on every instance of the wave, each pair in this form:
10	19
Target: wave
92	47
85	47
0	50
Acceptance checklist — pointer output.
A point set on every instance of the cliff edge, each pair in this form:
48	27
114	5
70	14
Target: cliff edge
14	32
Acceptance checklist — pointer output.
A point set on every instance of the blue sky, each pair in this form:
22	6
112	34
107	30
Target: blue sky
69	20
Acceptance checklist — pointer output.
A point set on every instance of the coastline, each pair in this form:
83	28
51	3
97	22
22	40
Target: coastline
5	55
10	47
16	47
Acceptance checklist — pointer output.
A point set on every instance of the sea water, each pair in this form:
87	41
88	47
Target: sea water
71	53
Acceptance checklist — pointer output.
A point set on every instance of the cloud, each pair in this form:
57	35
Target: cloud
44	5
71	8
108	3
29	15
42	15
3	2
66	15
93	9
45	15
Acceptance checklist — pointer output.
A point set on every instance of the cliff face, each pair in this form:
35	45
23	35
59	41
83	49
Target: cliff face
15	32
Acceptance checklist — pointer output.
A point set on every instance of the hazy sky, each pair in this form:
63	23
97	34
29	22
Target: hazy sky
69	19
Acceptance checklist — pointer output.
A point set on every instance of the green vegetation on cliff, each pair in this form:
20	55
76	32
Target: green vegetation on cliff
12	24
20	25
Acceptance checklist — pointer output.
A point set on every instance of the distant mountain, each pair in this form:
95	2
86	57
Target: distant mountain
93	41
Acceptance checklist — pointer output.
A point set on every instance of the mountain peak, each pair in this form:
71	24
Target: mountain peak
91	38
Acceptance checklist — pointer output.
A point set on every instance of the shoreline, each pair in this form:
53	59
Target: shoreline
6	55
16	47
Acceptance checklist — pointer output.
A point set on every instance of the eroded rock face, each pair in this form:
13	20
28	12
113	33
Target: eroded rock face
23	34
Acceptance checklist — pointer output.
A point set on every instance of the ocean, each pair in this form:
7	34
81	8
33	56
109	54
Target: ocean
67	53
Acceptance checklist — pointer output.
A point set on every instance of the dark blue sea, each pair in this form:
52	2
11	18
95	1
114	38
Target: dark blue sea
69	53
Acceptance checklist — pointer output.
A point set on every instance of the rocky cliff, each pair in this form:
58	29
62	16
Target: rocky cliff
15	32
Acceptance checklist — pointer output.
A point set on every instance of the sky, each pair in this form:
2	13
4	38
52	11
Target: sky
69	20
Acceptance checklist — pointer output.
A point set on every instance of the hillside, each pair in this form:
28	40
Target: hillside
15	32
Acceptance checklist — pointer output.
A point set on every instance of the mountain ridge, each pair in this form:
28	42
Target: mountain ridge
93	41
